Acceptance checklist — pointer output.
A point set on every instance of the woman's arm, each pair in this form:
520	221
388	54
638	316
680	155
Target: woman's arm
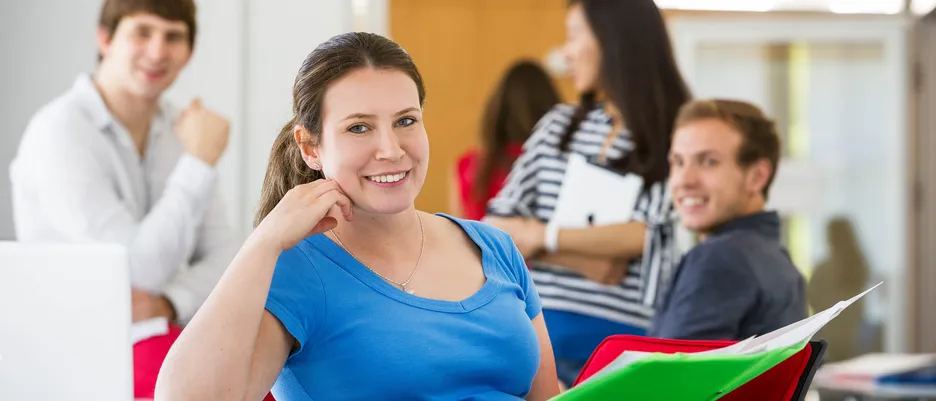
233	349
614	241
546	382
600	270
619	241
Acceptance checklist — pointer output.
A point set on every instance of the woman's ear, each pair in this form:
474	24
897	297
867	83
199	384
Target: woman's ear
306	147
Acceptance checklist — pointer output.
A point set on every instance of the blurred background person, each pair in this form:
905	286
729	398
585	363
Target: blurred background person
601	280
841	274
739	282
112	161
523	96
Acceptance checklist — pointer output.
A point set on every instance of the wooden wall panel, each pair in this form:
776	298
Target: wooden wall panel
462	48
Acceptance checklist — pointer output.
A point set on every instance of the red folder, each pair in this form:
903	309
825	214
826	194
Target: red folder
787	381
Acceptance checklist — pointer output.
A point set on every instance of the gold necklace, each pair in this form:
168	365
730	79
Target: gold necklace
402	285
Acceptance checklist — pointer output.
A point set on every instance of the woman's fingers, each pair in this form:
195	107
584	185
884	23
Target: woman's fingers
325	224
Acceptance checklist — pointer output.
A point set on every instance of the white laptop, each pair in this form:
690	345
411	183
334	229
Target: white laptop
65	322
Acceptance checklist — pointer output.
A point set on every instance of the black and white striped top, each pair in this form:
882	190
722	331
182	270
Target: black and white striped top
532	189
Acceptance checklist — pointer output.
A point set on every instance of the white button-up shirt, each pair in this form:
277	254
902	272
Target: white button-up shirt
78	177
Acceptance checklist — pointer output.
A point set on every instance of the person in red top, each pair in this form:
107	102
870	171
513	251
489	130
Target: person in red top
524	95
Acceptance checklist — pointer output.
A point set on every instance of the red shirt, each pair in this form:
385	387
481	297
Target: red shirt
466	168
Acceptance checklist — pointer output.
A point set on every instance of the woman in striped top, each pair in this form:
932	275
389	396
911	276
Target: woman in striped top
601	280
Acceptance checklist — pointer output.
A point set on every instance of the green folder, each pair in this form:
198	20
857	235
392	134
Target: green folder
678	377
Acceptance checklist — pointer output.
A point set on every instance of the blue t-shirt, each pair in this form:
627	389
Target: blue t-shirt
361	338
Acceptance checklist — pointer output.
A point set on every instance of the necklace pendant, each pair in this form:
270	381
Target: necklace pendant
411	292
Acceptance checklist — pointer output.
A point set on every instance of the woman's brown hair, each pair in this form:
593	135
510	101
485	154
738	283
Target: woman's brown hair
525	94
329	61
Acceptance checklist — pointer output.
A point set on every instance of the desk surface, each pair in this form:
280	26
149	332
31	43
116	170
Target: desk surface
872	389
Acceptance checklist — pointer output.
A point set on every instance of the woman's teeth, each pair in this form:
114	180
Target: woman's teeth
691	201
387	178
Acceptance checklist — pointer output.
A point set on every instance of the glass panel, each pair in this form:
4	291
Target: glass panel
835	6
921	7
838	186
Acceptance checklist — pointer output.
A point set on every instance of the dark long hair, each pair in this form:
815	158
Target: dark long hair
639	77
524	95
328	62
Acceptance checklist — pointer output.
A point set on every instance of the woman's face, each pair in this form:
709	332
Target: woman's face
373	141
581	50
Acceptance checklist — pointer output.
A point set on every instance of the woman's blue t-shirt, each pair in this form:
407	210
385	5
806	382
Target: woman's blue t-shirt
361	338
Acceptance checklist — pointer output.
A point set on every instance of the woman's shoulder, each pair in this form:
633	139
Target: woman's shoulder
565	111
552	124
302	259
472	228
564	108
485	236
561	115
561	112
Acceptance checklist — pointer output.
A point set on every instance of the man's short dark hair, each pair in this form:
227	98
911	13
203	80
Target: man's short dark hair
113	11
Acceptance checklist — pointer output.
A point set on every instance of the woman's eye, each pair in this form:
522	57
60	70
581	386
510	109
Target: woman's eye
358	128
406	121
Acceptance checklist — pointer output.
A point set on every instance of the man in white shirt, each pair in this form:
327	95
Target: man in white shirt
111	161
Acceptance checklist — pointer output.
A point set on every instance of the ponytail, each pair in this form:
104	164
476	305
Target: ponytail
285	170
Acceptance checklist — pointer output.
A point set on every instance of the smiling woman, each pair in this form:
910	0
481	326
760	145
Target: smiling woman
379	158
344	279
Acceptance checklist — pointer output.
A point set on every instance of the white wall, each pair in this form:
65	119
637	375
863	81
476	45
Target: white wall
246	57
216	75
856	128
278	43
39	63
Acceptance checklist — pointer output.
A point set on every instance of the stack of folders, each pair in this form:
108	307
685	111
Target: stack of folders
701	376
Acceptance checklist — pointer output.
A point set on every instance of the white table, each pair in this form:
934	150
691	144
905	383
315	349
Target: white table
830	389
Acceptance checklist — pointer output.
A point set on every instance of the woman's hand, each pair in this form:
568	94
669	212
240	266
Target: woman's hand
303	212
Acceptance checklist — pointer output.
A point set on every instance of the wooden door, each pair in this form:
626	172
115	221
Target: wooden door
462	48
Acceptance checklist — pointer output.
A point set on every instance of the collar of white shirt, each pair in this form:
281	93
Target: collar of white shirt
90	99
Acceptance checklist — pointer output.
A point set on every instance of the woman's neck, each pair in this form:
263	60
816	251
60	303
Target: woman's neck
385	237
